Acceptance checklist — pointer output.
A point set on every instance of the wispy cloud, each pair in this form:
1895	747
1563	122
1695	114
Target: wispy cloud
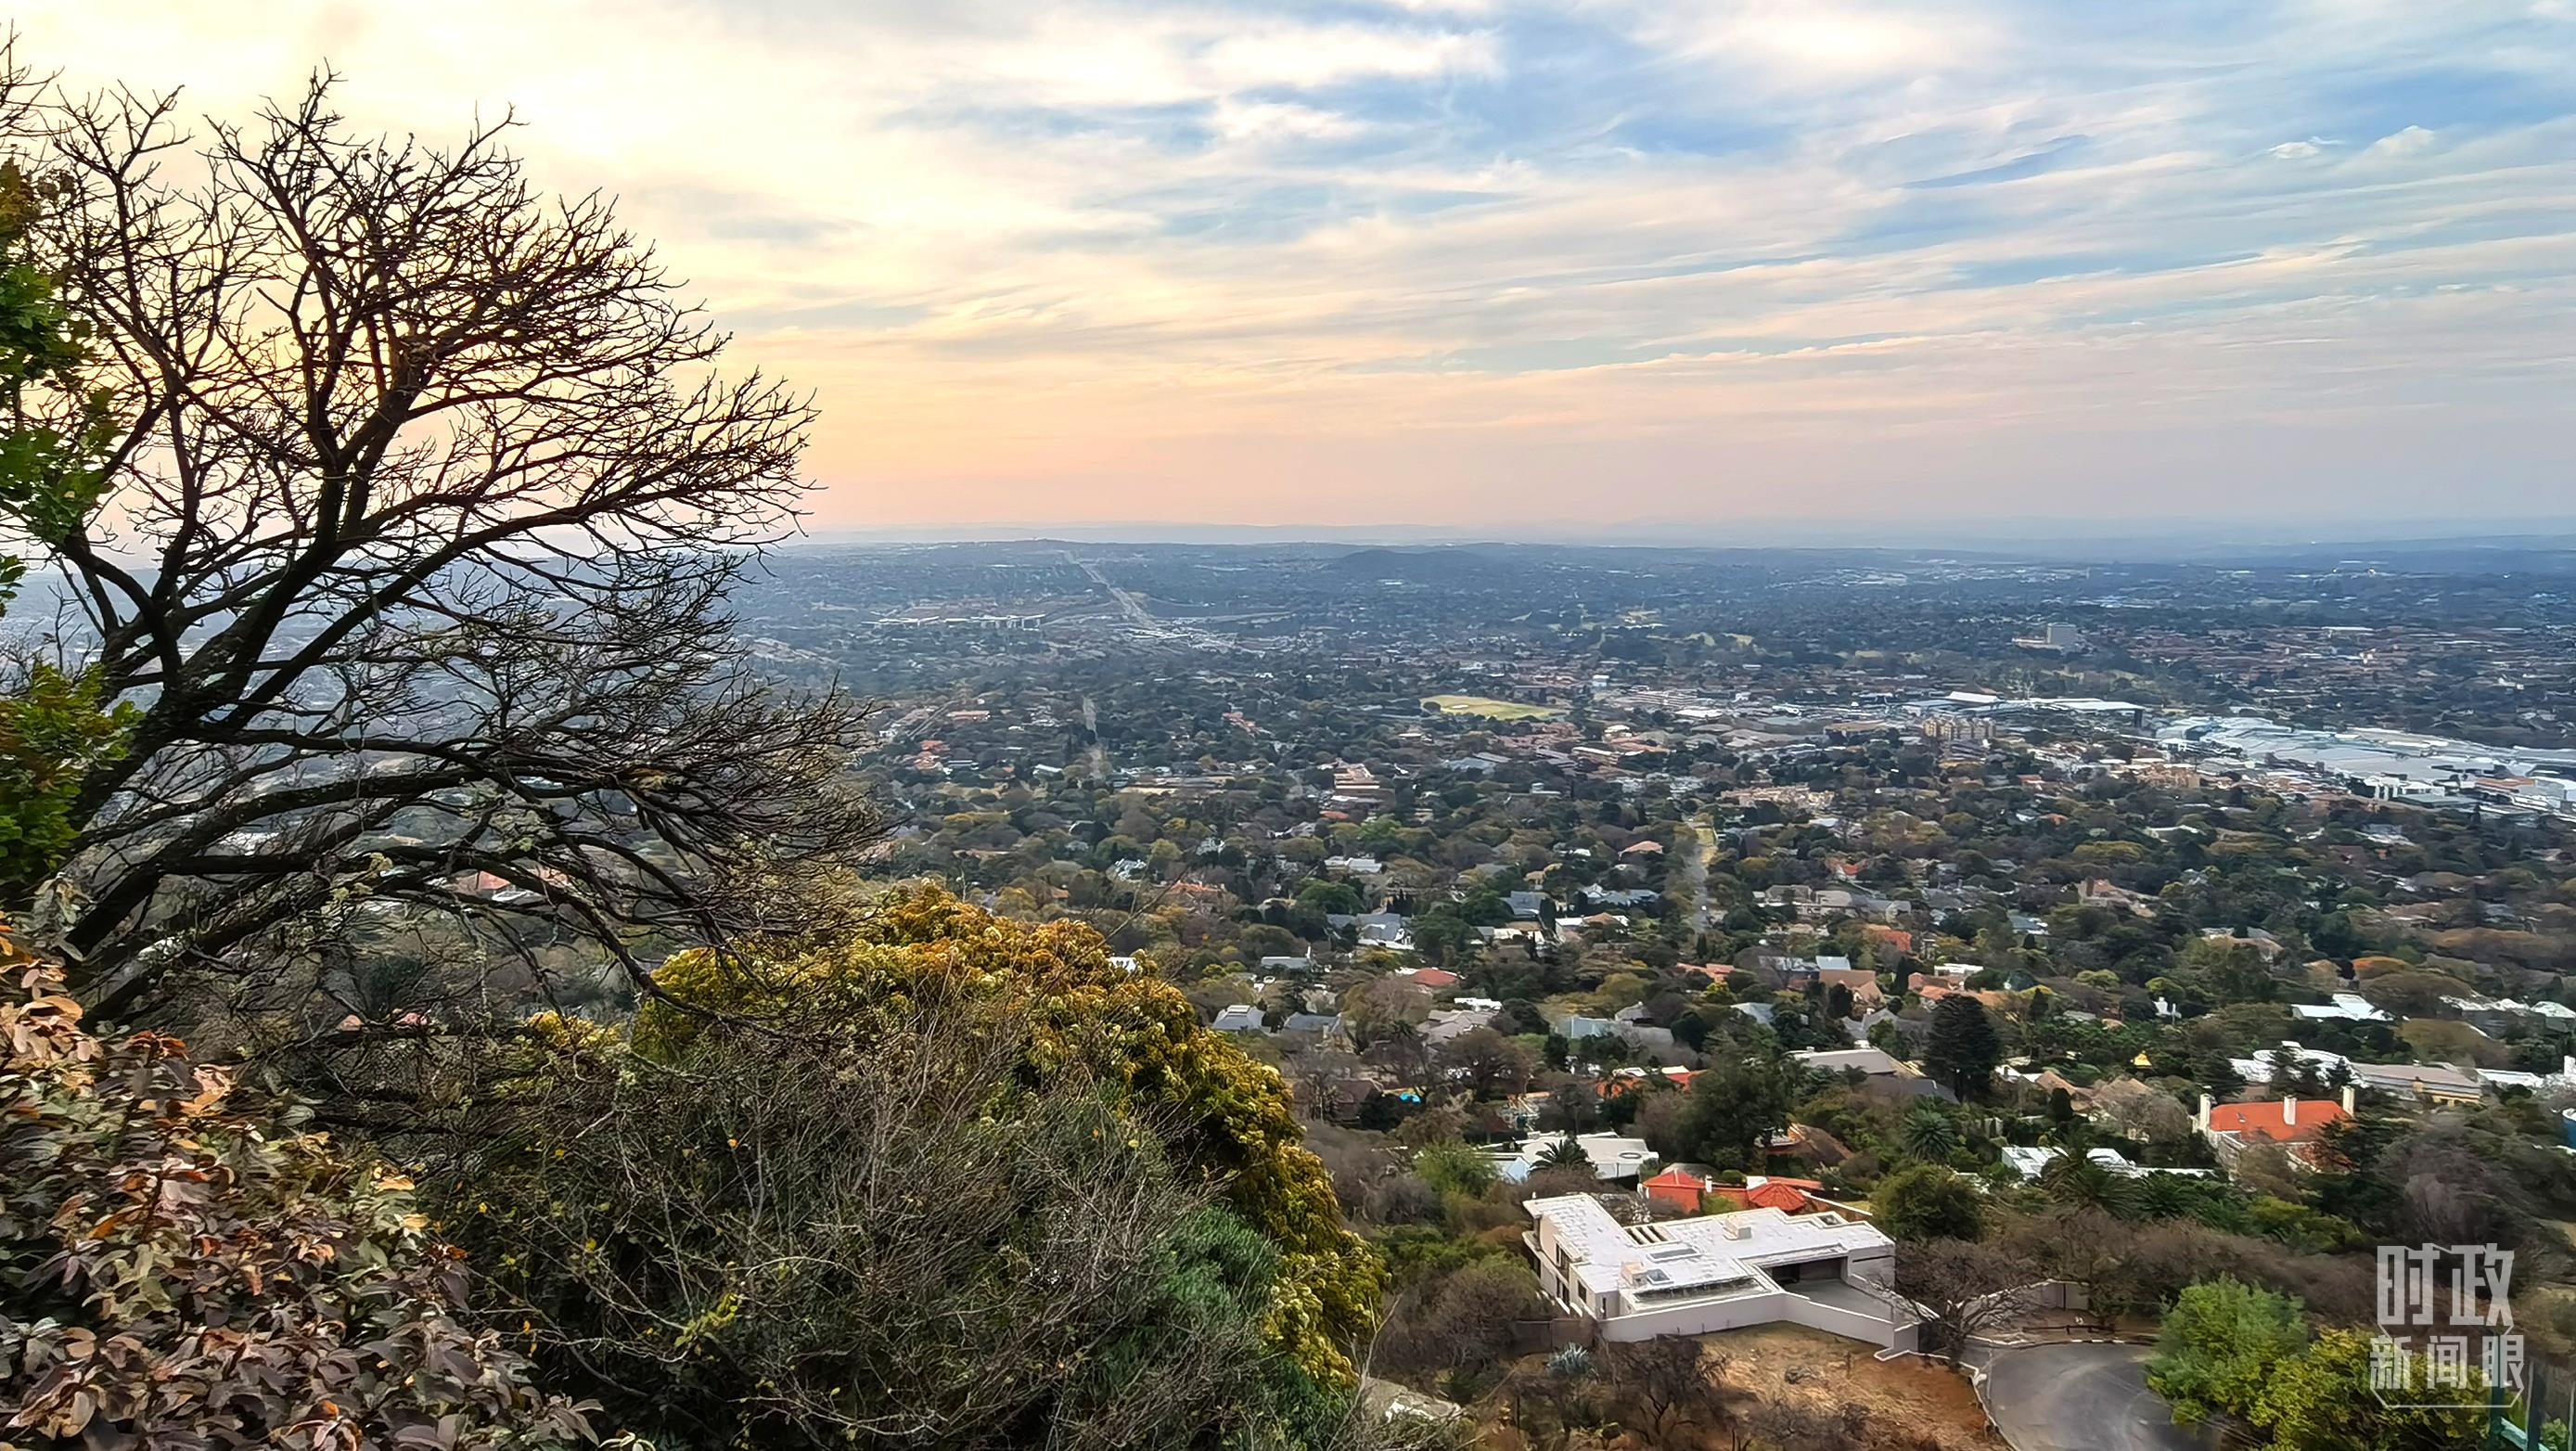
1493	260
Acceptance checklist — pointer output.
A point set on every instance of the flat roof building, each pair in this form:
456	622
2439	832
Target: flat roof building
1826	1271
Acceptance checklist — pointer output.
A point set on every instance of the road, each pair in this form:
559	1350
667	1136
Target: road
2079	1397
1128	604
1703	841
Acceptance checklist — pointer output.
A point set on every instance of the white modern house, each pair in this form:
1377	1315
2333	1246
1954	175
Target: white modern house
1825	1271
1613	1156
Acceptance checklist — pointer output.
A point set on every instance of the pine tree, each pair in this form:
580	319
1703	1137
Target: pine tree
1963	1050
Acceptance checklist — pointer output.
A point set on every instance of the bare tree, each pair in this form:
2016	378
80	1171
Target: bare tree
1664	1385
1964	1289
411	543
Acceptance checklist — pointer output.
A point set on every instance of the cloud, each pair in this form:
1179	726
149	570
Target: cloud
2412	141
1443	259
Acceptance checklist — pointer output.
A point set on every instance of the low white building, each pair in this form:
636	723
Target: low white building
2032	1162
1613	1156
1717	1272
2345	1007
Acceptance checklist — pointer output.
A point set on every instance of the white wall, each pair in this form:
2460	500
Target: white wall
1698	1318
1835	1320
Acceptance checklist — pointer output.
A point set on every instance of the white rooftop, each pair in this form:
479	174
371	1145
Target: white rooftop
1613	1156
1713	1252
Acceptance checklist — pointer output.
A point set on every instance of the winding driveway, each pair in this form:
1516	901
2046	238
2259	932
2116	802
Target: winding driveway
2082	1396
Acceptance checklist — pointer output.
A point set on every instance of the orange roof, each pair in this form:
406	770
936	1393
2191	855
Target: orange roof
2268	1120
1617	1084
1789	1196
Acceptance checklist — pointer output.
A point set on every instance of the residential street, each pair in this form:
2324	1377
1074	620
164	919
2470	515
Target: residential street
2079	1397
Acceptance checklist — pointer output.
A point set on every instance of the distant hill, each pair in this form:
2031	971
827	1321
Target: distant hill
1439	565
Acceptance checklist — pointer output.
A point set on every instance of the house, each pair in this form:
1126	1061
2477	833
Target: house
1323	1025
1576	1026
2031	1162
2345	1007
1883	1072
1448	1024
1631	1078
1527	906
2504	1078
1789	1196
1238	1018
1852	1060
2265	945
1430	977
1384	929
2423	1082
1681	1187
2100	893
1895	938
2427	1082
1691	1187
1862	982
1717	1272
1613	1156
2297	1125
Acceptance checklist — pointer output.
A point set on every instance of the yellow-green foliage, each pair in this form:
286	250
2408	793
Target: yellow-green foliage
1233	1118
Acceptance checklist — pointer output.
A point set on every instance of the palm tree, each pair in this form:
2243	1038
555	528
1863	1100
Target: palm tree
1565	1153
1928	1134
2074	1135
2164	1196
2074	1180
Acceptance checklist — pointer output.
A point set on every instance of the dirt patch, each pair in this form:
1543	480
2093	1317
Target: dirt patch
1838	1394
1906	1397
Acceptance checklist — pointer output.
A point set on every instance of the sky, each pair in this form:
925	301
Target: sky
1553	269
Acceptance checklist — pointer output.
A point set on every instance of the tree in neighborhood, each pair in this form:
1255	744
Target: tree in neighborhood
1962	1050
1463	1321
2313	1402
1928	1201
1964	1289
2219	1345
1928	1133
186	1263
1664	1385
2142	1110
2075	1179
440	507
1494	1065
1137	1037
1736	1103
2231	1349
1454	1168
1561	1154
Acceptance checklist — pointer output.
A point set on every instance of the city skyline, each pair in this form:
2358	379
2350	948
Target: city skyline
1516	269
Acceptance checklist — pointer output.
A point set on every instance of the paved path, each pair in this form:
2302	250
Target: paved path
2084	1396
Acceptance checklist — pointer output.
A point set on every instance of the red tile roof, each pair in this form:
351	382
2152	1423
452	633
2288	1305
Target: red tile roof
2267	1120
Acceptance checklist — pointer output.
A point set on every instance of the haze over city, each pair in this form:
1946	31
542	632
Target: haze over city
1522	269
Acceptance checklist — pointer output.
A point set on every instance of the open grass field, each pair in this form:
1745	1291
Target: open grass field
1490	708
